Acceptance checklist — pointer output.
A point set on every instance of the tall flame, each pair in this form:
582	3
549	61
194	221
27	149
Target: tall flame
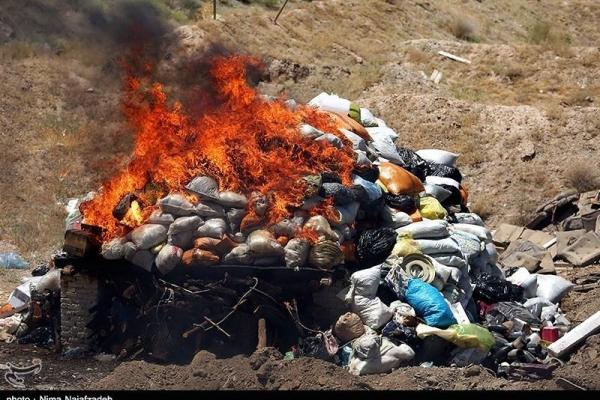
244	142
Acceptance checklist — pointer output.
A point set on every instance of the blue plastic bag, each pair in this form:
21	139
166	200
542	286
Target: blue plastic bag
429	304
12	260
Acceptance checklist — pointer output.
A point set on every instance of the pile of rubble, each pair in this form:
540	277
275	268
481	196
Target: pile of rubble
208	269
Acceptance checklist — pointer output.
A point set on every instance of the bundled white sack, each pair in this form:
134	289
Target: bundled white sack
214	228
263	244
114	249
375	354
440	180
469	218
552	288
167	259
481	232
185	224
161	218
451	260
441	246
394	218
536	305
437	191
426	229
208	209
149	235
526	280
383	144
310	132
358	143
331	102
367	118
143	259
177	205
381	132
373	312
363	300
438	156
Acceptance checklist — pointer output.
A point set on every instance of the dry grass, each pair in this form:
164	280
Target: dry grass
554	112
583	176
483	206
525	211
545	34
463	28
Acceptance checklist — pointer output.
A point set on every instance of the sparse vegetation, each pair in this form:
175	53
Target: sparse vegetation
555	112
583	176
545	34
483	207
463	28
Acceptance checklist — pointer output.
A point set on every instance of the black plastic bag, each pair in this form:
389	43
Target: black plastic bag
341	194
400	333
493	289
369	174
40	270
454	199
330	177
375	245
414	163
510	310
42	336
400	202
445	171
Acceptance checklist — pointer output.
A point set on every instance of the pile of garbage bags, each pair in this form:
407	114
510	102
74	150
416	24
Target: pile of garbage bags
424	268
427	269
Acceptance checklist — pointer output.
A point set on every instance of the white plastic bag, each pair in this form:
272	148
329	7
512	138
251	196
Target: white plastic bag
440	180
552	288
372	311
438	156
331	102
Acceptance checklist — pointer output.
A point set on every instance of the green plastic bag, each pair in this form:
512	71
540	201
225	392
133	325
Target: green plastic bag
462	335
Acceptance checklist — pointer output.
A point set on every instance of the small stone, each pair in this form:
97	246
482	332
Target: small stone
526	150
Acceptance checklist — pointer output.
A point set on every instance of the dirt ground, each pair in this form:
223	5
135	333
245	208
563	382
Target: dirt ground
266	369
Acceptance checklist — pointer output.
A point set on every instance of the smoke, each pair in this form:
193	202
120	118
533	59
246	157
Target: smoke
197	91
135	26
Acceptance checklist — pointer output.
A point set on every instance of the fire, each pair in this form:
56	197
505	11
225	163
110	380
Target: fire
134	215
241	140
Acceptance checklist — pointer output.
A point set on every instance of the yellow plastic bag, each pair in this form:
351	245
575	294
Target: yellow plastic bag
462	335
430	208
405	245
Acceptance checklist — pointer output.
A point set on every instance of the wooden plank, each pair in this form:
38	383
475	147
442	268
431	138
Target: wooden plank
453	57
262	334
565	344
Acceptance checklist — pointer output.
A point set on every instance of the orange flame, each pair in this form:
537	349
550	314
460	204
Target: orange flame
244	142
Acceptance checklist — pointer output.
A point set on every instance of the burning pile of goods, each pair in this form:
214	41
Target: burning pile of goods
321	188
